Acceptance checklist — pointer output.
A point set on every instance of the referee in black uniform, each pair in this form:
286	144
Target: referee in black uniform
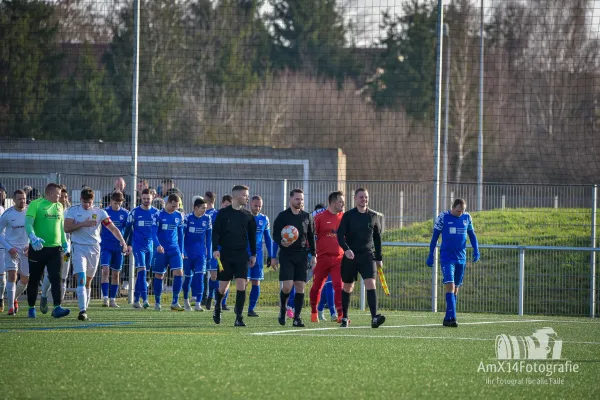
233	232
293	258
359	234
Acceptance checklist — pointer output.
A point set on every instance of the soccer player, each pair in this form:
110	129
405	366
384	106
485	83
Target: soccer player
169	249
294	257
197	248
329	253
111	254
13	238
256	273
359	235
44	227
454	225
234	230
140	232
84	222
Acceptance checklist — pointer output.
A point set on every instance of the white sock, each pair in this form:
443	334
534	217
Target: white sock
2	284
20	289
10	294
81	297
45	286
89	296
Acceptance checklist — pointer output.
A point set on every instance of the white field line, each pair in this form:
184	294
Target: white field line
297	331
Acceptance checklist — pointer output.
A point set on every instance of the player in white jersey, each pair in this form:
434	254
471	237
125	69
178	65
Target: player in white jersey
2	277
13	238
83	223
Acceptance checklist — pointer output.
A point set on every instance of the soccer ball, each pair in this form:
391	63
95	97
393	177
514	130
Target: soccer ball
289	234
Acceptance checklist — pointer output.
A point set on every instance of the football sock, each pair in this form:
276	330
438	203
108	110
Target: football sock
254	294
177	284
187	286
240	299
345	303
158	286
112	292
298	302
199	287
104	289
372	301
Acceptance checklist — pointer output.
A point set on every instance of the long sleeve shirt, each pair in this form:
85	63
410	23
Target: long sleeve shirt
303	222
234	230
361	233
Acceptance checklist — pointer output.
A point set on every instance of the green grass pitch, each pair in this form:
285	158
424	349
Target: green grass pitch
126	353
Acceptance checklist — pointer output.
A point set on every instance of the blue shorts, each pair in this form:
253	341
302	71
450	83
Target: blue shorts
453	272
171	259
193	266
143	258
257	272
212	265
112	258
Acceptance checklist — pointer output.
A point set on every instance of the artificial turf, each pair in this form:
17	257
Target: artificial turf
126	353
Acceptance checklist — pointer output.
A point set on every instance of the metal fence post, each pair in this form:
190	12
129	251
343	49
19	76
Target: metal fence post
284	195
593	253
401	209
434	282
362	294
503	202
521	278
556	202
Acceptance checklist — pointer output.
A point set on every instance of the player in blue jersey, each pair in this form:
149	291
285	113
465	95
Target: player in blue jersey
212	266
111	257
197	250
140	232
256	273
169	251
327	300
454	226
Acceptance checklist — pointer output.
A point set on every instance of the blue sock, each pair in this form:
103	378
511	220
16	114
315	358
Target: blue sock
225	296
177	285
140	286
455	301
158	283
291	298
112	293
104	289
193	284
330	294
254	295
199	285
187	285
450	306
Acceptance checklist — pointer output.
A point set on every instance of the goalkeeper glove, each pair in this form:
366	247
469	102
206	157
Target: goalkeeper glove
36	242
430	260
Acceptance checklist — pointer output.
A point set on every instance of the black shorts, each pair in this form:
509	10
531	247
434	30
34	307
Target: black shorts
293	266
362	263
235	265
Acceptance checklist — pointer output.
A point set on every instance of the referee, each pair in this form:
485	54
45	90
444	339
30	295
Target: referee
234	232
44	223
359	235
294	257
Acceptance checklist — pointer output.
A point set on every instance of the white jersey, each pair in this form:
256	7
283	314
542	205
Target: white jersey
89	236
12	228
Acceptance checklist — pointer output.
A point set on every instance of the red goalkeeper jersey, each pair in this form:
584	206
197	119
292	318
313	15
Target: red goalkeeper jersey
326	226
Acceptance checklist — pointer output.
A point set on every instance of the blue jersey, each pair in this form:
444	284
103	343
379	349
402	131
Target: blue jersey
169	231
197	236
454	232
212	213
141	228
263	229
119	219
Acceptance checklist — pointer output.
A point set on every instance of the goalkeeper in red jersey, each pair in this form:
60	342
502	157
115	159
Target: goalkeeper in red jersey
329	253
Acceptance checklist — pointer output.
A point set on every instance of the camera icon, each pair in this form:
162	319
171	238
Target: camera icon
543	344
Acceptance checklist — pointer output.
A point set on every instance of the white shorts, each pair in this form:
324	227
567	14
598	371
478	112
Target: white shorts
85	259
21	263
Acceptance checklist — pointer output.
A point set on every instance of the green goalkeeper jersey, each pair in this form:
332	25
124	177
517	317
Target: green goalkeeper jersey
48	221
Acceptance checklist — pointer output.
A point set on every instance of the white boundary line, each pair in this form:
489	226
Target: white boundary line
297	331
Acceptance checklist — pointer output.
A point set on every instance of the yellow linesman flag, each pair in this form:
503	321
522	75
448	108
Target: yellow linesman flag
384	285
220	265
